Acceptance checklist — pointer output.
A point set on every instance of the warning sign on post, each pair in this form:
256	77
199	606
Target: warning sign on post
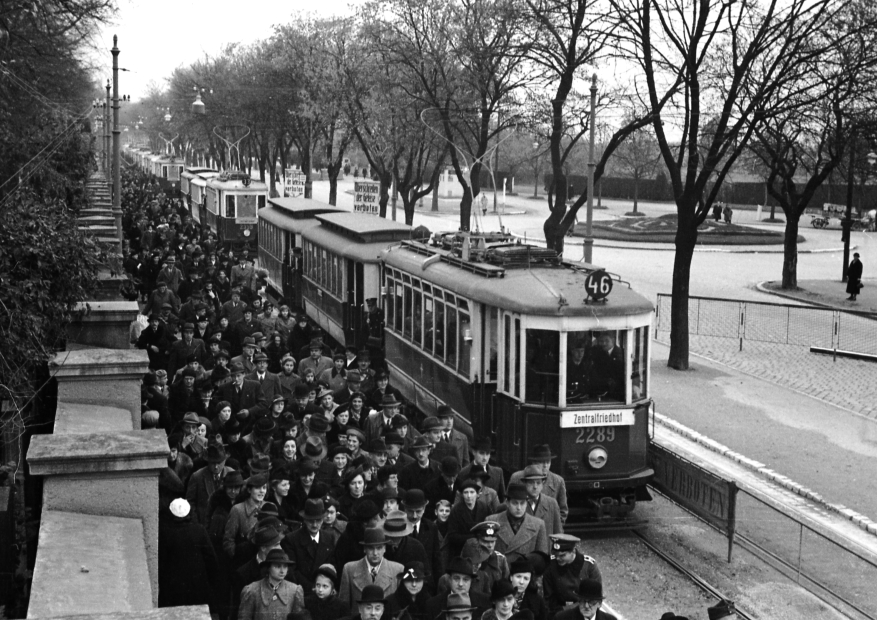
294	185
365	197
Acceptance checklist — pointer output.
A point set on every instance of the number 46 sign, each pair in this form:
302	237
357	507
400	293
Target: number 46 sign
598	285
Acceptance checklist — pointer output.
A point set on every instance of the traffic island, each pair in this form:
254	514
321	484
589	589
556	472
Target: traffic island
662	229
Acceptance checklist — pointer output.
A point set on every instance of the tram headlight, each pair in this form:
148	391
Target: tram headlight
597	458
246	232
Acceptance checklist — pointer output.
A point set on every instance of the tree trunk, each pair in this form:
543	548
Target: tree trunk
635	191
408	206
435	199
386	179
686	238
790	251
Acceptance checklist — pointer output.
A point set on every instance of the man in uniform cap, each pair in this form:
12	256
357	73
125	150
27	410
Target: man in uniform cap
540	505
495	566
566	570
590	598
519	533
554	486
722	609
451	435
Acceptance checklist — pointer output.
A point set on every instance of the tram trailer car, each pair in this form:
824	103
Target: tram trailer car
193	181
281	225
233	201
506	337
341	260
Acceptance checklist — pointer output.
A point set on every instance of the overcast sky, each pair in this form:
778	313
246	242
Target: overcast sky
156	36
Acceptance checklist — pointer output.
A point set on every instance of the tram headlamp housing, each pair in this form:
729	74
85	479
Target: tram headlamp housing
246	232
597	458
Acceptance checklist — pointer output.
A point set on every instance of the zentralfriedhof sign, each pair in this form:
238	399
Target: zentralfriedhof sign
366	195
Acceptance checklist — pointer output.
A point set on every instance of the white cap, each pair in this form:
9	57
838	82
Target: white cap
180	508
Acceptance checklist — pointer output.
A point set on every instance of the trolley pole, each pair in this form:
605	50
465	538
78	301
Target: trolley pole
589	222
117	139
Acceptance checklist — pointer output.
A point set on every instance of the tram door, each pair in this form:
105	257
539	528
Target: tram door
355	326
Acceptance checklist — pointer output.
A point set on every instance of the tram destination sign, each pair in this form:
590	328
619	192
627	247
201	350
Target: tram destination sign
294	183
366	196
603	417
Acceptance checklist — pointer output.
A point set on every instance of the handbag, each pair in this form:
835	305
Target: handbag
861	286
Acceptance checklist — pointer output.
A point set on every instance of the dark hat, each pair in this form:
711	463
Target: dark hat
314	448
458	603
482	444
267	537
372	594
260	357
324	391
353	376
317	424
278	399
377	445
192	418
669	615
339	449
396	525
301	390
387	492
500	589
232	427
399	421
521	565
257	336
450	466
351	475
217	337
339	357
394	439
444	411
382	374
165	305
216	453
222	353
249	309
414	498
316	343
365	510
154	317
461	566
486	530
276	556
516	491
540	561
722	609
532	472
268	509
389	400
328	571
287	421
307	467
150	379
264	427
479	473
363	354
260	463
470	483
413	570
592	590
233	479
188	327
189	372
541	452
314	509
420	442
373	537
248	342
431	423
236	368
560	543
171	259
356	433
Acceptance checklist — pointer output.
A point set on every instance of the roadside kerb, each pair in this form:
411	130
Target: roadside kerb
860	520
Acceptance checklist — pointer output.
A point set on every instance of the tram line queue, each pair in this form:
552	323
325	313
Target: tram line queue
301	486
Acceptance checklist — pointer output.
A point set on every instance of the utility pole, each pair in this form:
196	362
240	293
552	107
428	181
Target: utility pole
117	139
107	135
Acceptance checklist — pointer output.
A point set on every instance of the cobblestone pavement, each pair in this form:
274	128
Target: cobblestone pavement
842	382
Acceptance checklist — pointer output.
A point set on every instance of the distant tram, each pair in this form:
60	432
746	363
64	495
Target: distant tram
232	203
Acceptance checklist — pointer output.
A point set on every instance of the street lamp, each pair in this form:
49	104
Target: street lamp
198	105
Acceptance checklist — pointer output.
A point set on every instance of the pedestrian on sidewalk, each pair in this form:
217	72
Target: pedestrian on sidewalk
717	210
854	277
728	212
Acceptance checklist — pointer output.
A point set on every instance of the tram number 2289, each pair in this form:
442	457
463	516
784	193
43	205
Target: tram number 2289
595	434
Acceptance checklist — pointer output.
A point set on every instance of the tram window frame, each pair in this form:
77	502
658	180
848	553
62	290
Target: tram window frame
639	360
417	314
262	201
230	206
591	394
212	199
490	343
542	374
464	348
428	320
506	353
517	390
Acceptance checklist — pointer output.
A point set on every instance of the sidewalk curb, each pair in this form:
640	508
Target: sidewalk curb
670	248
761	287
861	521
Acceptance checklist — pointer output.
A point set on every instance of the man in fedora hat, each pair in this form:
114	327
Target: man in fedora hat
315	425
233	309
722	609
182	396
380	422
244	396
373	569
381	388
371	605
423	470
269	382
540	505
460	575
154	340
446	486
554	486
482	450
519	533
352	386
316	361
310	546
204	482
249	351
424	531
401	547
433	429
589	599
459	607
261	438
451	435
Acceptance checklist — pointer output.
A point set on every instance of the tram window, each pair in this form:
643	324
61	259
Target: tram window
464	342
400	310
247	205
639	368
516	335
507	340
439	329
229	206
390	303
261	202
542	368
451	337
595	366
428	318
407	312
417	321
491	342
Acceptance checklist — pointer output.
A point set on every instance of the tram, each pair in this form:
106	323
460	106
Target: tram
232	201
505	335
281	225
193	182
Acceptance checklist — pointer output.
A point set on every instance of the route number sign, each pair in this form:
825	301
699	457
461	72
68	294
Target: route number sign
598	285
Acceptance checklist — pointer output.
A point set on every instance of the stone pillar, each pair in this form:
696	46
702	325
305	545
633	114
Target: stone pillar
103	377
104	475
105	323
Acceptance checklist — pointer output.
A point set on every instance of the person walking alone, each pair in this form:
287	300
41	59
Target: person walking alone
854	277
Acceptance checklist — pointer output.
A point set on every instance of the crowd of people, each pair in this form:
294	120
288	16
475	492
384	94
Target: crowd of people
301	486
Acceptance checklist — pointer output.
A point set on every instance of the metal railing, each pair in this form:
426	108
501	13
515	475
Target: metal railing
774	323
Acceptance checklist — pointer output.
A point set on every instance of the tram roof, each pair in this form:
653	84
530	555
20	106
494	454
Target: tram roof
226	183
357	236
300	208
287	219
194	171
552	290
